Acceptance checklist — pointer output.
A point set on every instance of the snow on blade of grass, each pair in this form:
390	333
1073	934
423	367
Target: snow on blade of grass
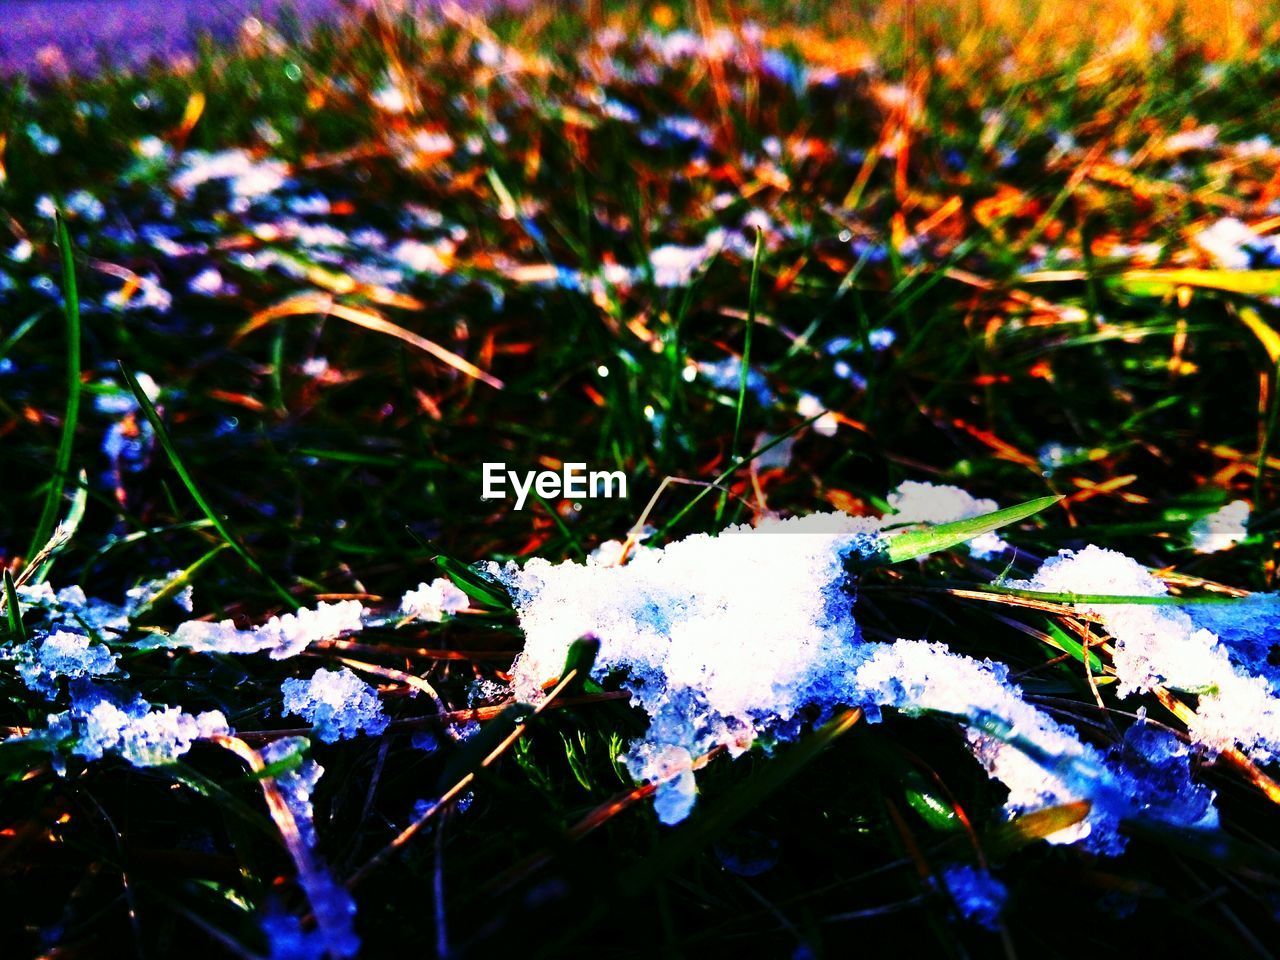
332	906
137	731
430	603
1042	762
1164	644
146	595
1222	529
62	654
296	785
721	638
69	608
916	502
336	702
281	637
724	639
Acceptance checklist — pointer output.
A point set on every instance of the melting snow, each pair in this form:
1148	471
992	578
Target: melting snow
725	639
1164	644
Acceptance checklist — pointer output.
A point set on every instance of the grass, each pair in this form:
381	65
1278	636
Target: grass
998	191
71	299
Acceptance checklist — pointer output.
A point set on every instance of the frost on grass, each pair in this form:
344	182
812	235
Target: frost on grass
1222	529
336	702
147	594
281	637
69	608
145	735
1164	643
62	654
916	502
1041	761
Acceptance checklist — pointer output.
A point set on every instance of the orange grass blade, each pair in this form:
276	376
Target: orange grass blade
309	304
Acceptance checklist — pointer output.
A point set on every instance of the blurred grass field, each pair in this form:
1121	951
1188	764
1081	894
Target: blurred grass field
992	253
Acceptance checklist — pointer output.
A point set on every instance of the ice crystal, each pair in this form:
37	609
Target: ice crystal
1222	529
145	594
978	894
297	784
1163	644
916	502
145	735
69	608
334	935
336	702
281	637
62	654
431	602
1153	768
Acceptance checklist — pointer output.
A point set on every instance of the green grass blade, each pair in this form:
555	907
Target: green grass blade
744	374
162	436
753	299
175	584
1106	599
12	609
473	583
916	543
737	464
71	415
63	533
